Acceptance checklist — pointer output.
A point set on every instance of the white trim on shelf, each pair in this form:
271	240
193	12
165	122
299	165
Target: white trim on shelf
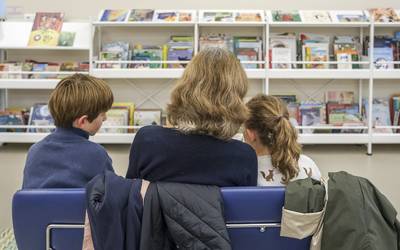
386	138
318	74
28	83
334	138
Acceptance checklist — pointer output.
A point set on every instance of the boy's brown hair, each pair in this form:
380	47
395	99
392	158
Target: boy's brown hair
79	95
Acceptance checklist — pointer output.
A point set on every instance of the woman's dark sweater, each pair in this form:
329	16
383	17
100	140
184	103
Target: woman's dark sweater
166	154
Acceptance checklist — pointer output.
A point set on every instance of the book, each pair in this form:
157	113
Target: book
16	67
286	16
316	53
346	18
4	67
285	42
337	112
9	119
309	116
66	38
294	113
153	54
125	106
290	98
117	46
185	17
38	67
114	15
383	14
113	120
281	55
26	66
343	57
218	17
143	15
247	17
46	29
142	65
317	16
248	54
40	115
168	16
179	55
144	117
110	56
340	97
381	57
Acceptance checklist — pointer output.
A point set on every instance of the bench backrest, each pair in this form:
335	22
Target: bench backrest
253	216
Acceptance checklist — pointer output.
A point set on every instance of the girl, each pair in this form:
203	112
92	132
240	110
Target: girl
274	138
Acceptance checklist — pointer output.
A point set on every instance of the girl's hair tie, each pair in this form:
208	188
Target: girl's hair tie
279	119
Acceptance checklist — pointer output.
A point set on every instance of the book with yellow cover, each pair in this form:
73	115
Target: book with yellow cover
46	29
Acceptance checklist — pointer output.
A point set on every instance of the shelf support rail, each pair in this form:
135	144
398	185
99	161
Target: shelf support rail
3	92
149	97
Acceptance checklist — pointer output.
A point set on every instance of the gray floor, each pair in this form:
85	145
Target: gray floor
382	168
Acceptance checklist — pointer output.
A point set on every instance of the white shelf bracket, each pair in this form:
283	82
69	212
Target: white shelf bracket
150	97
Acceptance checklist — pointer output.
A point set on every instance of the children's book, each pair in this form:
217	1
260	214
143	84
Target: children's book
316	54
383	14
285	42
380	117
111	56
339	97
117	46
317	16
4	67
26	66
9	119
346	18
281	55
247	54
40	115
125	106
218	17
114	15
290	98
381	57
286	16
185	17
247	17
167	16
144	117
309	116
179	55
66	38
46	29
145	15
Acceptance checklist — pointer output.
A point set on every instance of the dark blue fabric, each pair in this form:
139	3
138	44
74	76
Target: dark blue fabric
64	159
166	154
115	207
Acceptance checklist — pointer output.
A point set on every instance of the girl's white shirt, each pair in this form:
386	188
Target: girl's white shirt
270	176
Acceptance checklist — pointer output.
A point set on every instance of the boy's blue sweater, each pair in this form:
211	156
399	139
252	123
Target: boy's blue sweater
65	159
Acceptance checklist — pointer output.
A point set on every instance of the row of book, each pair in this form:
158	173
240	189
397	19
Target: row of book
178	48
120	114
151	15
285	47
35	66
339	109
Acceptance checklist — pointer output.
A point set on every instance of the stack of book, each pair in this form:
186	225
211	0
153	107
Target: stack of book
386	49
347	49
147	53
315	48
282	48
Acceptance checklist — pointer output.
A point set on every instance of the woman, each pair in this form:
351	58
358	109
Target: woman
205	112
274	138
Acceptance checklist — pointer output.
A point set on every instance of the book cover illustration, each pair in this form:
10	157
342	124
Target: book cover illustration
26	66
281	55
218	17
383	14
113	120
179	55
286	16
114	16
4	67
117	46
141	65
381	58
185	17
170	16
340	97
310	117
316	54
144	117
347	18
247	54
317	16
145	15
248	17
66	39
9	119
46	29
111	56
40	115
380	117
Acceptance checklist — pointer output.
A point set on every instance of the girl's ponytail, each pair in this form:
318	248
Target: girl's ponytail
269	117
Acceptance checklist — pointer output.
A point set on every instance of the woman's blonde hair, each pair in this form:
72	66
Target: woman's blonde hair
208	98
269	117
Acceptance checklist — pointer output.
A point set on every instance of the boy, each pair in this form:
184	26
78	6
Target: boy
66	158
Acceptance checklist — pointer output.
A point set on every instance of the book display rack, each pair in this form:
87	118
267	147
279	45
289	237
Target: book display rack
90	35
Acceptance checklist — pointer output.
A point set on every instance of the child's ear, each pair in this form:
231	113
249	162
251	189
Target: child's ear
81	121
251	134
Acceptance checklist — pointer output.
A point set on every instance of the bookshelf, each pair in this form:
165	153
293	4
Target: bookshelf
92	37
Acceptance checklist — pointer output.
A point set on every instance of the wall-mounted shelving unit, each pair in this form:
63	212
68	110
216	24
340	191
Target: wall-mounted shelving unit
89	34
